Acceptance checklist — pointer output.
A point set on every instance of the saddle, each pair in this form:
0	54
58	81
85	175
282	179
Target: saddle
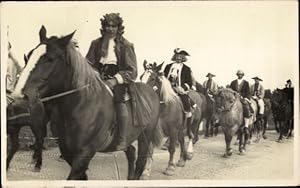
141	111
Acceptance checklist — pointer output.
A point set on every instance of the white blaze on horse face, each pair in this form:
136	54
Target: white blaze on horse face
37	53
146	76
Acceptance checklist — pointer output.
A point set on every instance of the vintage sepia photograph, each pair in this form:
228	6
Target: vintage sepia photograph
149	94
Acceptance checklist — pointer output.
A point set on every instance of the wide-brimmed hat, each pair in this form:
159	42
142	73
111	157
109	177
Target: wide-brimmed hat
240	72
257	78
210	74
182	52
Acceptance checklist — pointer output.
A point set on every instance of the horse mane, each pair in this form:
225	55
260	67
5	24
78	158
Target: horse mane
82	72
228	93
167	93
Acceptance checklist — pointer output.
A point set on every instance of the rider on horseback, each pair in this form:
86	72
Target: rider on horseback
242	87
181	78
210	86
258	93
114	57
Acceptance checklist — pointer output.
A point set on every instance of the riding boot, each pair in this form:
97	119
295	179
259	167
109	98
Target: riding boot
246	120
122	118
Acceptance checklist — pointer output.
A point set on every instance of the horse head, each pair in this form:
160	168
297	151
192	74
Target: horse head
43	63
225	99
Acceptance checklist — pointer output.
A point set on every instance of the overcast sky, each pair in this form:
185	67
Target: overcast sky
261	38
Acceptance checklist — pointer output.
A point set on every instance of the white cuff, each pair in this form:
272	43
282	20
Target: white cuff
194	88
119	78
187	86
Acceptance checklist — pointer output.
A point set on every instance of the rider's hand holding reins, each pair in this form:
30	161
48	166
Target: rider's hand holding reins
111	82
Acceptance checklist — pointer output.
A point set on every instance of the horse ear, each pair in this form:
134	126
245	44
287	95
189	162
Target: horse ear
145	64
25	59
43	34
64	41
160	68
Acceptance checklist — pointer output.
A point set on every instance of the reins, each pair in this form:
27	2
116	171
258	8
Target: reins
45	99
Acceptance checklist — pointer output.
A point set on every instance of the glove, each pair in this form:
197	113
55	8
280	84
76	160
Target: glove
180	90
111	83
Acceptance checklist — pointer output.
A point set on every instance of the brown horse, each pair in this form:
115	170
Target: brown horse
172	117
86	109
20	114
230	115
208	110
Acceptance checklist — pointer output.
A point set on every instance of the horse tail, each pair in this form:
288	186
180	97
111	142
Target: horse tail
157	135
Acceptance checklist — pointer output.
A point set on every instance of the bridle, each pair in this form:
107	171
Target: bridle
223	110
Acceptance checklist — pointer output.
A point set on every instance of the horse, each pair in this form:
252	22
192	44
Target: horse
260	126
172	117
36	115
282	109
229	112
86	108
209	108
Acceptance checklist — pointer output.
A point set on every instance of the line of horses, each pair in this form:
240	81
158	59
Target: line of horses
85	118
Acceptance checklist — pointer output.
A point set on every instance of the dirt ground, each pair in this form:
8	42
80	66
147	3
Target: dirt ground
267	160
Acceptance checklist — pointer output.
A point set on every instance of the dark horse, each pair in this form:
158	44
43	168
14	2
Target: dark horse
283	112
86	108
172	118
209	109
19	114
34	114
230	114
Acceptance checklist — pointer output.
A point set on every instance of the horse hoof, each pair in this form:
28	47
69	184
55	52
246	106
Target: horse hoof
249	142
180	163
242	152
229	152
189	156
36	169
279	141
264	137
170	171
144	177
225	155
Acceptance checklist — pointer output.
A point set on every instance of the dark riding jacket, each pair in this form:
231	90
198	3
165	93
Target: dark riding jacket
185	76
245	89
126	59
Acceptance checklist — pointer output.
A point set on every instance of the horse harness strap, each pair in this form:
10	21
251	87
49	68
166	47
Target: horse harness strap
64	93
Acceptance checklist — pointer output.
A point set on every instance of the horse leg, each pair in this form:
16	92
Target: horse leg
195	130
80	164
144	160
170	170
183	152
130	154
38	149
290	127
206	128
228	137
281	130
264	128
242	141
216	129
14	138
